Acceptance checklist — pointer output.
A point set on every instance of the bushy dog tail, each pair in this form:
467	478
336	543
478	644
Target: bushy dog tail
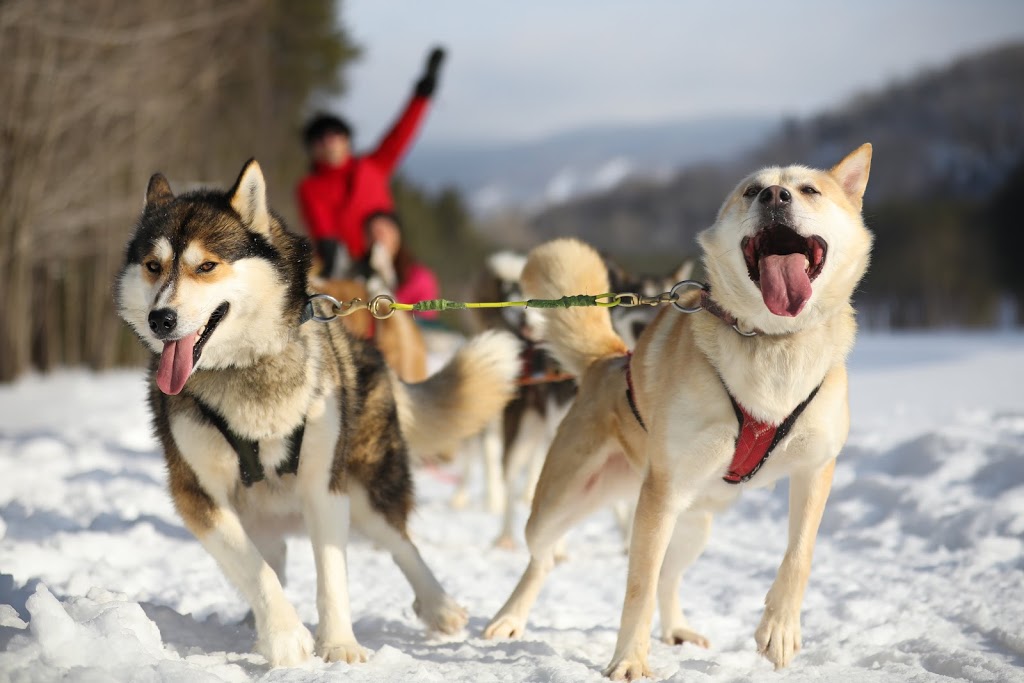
575	336
461	398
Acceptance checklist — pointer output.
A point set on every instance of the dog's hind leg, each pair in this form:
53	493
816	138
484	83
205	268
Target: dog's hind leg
460	498
432	604
555	409
688	541
624	511
577	479
521	446
493	470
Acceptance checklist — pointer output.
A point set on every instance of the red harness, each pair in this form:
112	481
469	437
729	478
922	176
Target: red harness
756	439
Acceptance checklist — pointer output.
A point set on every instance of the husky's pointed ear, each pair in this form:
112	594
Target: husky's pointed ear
158	191
852	173
249	198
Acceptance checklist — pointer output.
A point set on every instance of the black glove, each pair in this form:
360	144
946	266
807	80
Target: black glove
428	82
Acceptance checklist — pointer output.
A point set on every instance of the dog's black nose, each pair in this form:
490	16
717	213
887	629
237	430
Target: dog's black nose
163	321
776	195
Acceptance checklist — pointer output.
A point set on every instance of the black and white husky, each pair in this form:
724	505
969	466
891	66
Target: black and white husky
269	425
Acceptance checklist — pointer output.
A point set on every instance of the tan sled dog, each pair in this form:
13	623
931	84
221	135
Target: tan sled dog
690	419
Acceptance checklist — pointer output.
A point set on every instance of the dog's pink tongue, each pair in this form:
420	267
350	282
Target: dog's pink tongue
785	286
176	364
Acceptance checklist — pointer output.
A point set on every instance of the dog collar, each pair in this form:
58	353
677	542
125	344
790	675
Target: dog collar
716	309
706	303
250	469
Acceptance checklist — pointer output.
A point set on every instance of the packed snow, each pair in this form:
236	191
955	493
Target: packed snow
918	574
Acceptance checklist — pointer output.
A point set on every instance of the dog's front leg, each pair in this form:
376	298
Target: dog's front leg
203	470
327	517
778	636
654	522
281	636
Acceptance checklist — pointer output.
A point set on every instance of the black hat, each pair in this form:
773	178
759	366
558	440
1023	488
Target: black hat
324	124
380	213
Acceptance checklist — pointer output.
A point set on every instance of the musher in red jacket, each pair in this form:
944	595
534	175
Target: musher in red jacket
343	190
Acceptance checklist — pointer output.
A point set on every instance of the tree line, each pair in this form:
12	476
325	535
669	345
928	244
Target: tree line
94	98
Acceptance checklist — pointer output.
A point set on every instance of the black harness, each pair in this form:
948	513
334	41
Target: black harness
629	391
250	469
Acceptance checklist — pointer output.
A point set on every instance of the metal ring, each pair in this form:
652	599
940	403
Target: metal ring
627	299
335	304
686	284
375	303
752	333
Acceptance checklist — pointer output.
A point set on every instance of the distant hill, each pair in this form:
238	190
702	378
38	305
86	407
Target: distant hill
952	133
563	166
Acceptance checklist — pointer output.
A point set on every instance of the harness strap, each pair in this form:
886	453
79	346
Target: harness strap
630	398
756	440
250	469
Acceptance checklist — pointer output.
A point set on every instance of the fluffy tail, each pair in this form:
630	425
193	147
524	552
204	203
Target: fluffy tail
576	336
461	398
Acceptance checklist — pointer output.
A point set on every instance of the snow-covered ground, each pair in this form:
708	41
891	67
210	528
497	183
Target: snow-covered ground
918	576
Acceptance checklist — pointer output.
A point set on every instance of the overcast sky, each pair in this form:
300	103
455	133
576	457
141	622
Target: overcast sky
522	70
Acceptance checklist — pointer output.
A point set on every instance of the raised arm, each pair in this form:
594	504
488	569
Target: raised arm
397	141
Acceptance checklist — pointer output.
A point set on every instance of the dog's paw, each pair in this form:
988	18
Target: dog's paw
504	626
460	500
286	646
680	635
443	615
778	637
505	542
344	651
629	668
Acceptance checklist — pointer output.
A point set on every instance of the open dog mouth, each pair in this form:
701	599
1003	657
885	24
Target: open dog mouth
783	264
180	356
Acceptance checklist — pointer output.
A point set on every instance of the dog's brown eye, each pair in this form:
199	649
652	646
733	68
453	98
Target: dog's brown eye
809	189
207	267
153	266
752	191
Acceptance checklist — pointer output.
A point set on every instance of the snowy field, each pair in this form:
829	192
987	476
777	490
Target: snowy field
918	576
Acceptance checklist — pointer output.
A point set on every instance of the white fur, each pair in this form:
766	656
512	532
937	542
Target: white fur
507	265
253	328
250	199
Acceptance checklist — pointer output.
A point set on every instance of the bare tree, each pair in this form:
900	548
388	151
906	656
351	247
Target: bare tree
96	96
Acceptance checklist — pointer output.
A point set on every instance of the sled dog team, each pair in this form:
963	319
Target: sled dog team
271	424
